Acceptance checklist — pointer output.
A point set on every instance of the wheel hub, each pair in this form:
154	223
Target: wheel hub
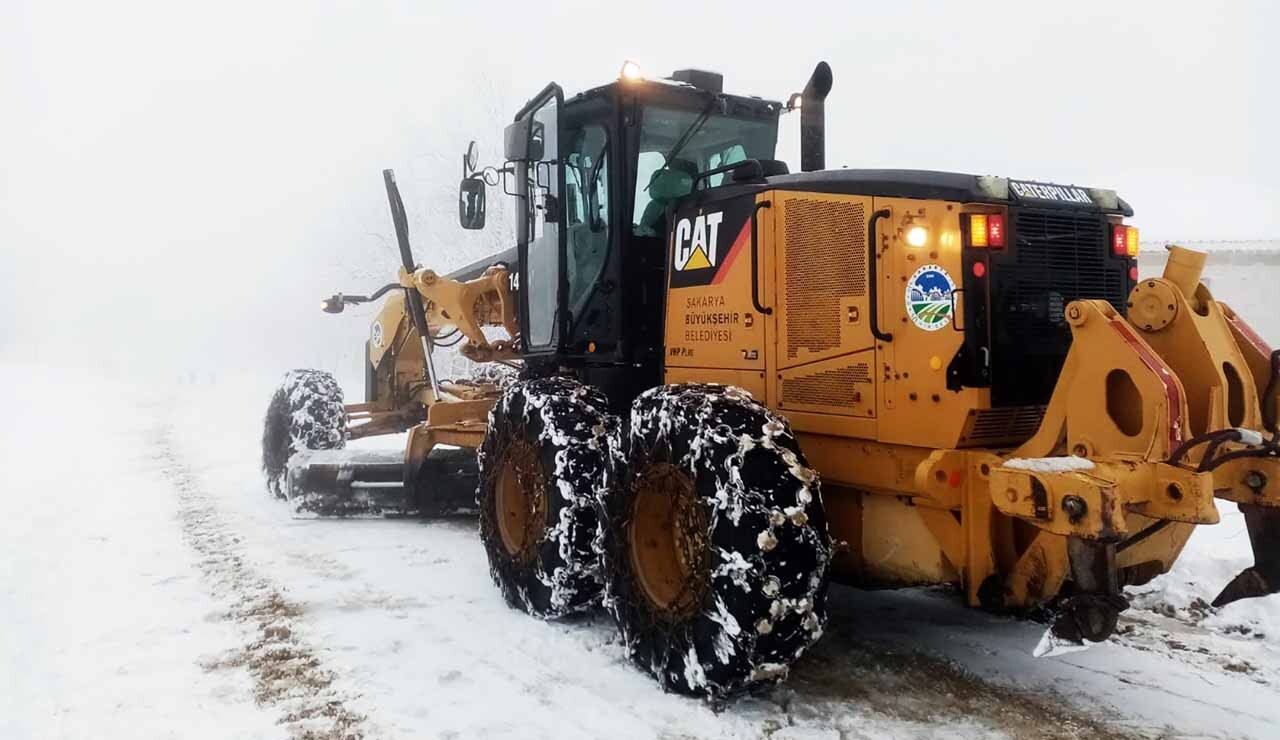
520	501
668	542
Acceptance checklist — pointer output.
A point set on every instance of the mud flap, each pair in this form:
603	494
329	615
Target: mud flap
1263	577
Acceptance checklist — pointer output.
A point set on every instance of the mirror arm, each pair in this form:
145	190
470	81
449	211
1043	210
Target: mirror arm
336	302
369	298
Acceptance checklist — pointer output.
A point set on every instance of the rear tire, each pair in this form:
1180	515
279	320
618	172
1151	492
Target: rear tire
306	413
543	464
715	543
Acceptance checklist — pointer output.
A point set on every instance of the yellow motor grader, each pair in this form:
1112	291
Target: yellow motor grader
728	384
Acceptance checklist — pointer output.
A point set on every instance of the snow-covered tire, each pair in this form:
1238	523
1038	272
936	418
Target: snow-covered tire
543	464
714	542
306	413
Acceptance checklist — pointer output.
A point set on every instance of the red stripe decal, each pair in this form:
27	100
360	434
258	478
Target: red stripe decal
1172	391
1248	333
739	242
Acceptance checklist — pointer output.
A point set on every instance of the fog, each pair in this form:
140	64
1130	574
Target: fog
182	182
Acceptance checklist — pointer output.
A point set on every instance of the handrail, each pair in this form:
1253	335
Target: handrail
755	262
873	278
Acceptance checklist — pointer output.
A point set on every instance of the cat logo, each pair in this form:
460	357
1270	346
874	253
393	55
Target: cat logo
695	242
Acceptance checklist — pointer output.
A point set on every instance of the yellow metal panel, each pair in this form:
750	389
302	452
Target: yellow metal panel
865	465
820	260
710	320
1255	349
898	548
751	381
847	427
386	326
1162	547
1039	573
946	529
915	406
1199	346
843	385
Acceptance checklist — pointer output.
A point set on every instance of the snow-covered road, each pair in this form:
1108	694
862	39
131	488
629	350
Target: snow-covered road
105	619
150	588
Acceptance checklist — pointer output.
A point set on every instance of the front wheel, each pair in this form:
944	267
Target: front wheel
543	462
715	542
306	413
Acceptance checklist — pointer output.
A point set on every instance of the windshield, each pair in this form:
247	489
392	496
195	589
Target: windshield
718	141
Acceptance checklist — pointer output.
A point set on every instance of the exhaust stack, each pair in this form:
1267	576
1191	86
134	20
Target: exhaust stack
1183	269
813	136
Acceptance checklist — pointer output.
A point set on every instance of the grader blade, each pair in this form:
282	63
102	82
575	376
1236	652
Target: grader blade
371	483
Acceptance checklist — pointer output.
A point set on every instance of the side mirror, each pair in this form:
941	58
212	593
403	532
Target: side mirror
471	203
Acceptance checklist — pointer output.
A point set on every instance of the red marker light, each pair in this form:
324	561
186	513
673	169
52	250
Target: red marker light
986	230
1120	240
995	230
1124	240
979	269
1133	273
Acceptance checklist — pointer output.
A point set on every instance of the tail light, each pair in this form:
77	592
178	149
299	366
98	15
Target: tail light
1124	240
986	230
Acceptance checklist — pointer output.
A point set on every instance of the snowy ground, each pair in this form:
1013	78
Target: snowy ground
150	589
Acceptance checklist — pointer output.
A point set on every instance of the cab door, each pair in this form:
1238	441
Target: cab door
533	145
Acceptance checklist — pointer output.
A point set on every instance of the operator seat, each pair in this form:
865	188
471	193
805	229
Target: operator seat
667	184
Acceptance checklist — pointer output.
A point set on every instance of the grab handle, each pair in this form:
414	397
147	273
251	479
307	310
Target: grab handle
755	262
873	279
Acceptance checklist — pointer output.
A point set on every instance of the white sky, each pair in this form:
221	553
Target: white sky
183	181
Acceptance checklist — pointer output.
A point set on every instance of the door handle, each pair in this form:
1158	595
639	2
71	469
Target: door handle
955	325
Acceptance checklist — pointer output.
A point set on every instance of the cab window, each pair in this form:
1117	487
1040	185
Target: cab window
587	212
675	145
729	156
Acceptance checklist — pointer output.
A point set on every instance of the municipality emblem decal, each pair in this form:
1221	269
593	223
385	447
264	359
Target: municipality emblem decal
929	297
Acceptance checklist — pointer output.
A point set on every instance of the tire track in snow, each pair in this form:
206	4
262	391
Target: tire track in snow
287	671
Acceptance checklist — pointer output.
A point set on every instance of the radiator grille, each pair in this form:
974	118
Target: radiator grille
835	387
826	264
1057	256
996	427
1060	256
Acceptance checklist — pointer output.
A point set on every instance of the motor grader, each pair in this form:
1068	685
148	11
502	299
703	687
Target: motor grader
729	385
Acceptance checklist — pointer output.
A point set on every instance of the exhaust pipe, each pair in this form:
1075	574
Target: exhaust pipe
813	136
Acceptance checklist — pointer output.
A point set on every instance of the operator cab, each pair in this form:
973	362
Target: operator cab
592	179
